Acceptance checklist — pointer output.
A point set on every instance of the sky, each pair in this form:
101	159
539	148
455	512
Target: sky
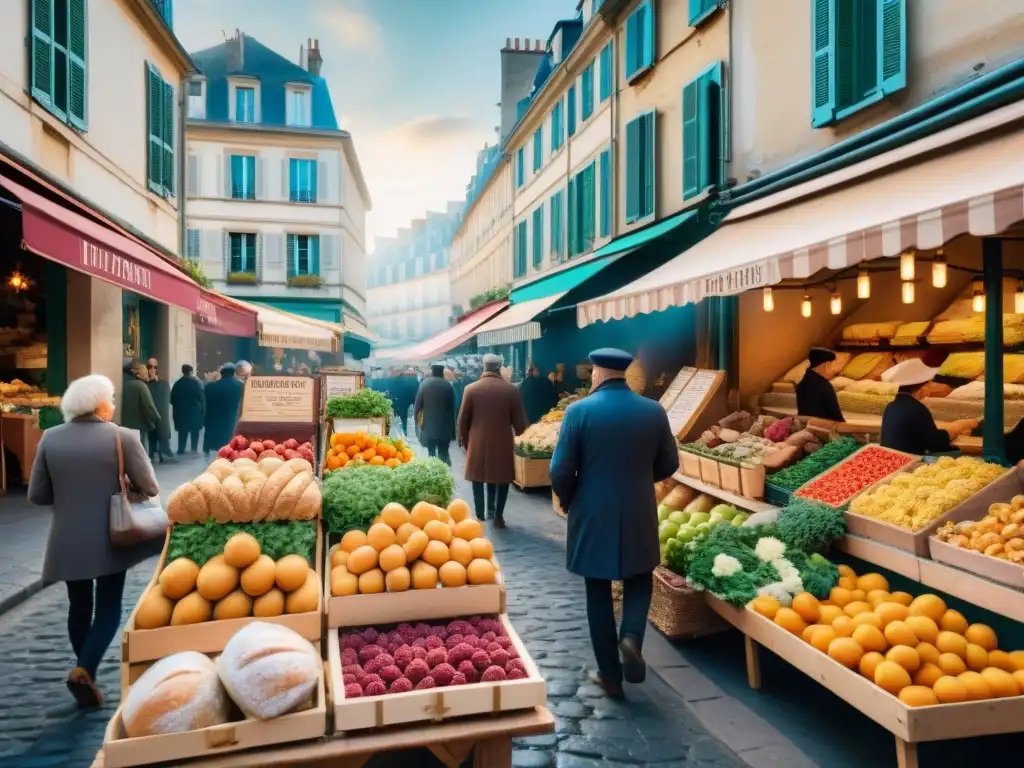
416	82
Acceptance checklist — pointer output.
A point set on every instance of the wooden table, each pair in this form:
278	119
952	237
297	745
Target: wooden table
21	434
489	738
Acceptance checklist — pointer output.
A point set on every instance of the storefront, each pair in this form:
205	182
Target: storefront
225	332
286	343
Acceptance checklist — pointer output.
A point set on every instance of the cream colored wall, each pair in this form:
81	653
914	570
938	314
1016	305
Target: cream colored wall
949	41
682	53
93	328
481	250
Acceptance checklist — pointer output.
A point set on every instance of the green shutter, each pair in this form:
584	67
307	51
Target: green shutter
633	179
538	149
649	164
42	52
314	254
167	133
892	45
606	192
154	128
823	61
650	43
587	214
291	251
691	141
606	76
571	105
538	237
77	79
700	10
574	218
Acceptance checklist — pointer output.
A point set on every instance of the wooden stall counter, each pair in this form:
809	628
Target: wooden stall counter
20	434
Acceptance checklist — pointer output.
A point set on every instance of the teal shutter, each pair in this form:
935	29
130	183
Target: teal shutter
606	74
606	192
311	166
538	149
292	254
649	164
823	63
154	129
520	167
77	79
634	43
556	227
538	237
700	10
314	255
571	105
649	43
42	52
574	218
718	128
588	209
167	134
691	142
855	58
633	179
587	83
892	45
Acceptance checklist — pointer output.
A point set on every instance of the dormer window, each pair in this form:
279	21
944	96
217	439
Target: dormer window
197	100
245	105
298	106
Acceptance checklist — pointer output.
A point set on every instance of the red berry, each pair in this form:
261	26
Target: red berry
419	653
492	647
353	691
488	636
422	630
480	660
353	669
417	670
349	656
458	627
493	675
349	679
443	674
420	642
353	641
459	653
368	652
515	664
452	641
403	656
401	685
467	670
375	689
436	656
458	679
499	657
434	642
426	682
440	632
370	635
390	673
516	674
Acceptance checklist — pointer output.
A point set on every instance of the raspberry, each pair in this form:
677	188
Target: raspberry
436	656
480	660
488	637
419	642
457	627
355	670
516	674
458	679
459	653
349	679
499	657
504	641
421	629
408	635
403	656
512	653
390	673
426	682
515	664
353	641
375	689
471	631
475	620
452	641
367	679
349	656
417	670
493	675
353	691
419	653
492	647
395	637
443	674
370	635
467	670
434	642
368	652
490	625
377	663
440	632
401	685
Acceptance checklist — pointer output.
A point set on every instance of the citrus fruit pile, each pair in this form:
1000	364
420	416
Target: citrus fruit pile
359	448
913	647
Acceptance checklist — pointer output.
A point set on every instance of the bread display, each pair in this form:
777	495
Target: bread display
269	670
245	491
179	693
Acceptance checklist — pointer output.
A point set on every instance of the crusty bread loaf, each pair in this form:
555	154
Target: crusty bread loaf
219	508
179	693
289	497
269	670
253	480
238	497
309	504
299	465
186	504
240	464
271	490
221	468
270	464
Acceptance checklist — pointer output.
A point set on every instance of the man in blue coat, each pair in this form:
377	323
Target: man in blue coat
613	520
223	402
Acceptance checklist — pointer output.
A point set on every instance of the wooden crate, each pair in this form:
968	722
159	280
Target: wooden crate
853	455
371	426
211	636
119	751
434	704
532	473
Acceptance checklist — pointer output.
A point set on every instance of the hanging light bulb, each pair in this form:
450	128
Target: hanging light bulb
978	300
907	266
908	292
1018	300
835	303
769	299
863	285
805	306
939	270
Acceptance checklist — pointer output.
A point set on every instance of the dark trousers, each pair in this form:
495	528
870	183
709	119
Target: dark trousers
190	435
497	495
636	601
402	415
92	623
157	447
440	449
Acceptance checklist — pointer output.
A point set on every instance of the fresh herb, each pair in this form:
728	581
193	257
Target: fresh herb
364	404
822	459
50	416
530	451
809	526
201	541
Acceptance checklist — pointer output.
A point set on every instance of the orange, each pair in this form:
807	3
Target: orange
952	664
905	656
877	596
922	626
845	570
891	677
918	696
890	612
846	651
843	626
950	690
898	633
821	637
929	605
806	634
858	596
368	454
839	596
1000	682
869	662
342	460
766	605
983	635
929	653
1017	657
790	621
977	688
1001	660
830	613
391	463
1019	677
872	581
870	638
377	461
352	450
903	598
977	657
333	462
953	621
807	606
928	675
848	583
950	642
407	455
869	619
855	607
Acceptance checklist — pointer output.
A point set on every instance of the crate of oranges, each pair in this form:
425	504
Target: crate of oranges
353	449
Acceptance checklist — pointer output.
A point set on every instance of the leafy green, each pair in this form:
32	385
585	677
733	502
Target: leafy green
530	451
365	404
201	541
809	526
354	497
824	458
50	416
818	574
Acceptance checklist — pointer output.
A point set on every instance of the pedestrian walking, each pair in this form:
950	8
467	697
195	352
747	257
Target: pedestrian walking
138	411
188	404
160	435
243	370
434	411
223	401
538	393
76	473
612	532
491	415
403	394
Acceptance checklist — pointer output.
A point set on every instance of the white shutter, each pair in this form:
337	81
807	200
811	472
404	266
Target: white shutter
285	181
227	176
275	249
226	251
261	178
328	252
213	258
193	185
323	179
259	255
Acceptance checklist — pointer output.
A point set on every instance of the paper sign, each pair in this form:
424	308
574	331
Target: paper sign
678	383
341	385
690	398
279	399
370	427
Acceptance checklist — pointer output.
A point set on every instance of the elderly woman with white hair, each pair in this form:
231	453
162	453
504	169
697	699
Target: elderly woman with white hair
76	473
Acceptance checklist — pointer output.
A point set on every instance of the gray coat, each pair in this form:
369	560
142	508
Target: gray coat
161	392
435	400
75	472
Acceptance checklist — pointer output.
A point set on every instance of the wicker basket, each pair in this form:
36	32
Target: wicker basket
532	473
678	612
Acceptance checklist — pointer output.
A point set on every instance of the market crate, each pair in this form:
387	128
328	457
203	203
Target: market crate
752	482
776	495
729	475
433	704
710	474
532	473
852	456
679	613
689	464
119	751
211	636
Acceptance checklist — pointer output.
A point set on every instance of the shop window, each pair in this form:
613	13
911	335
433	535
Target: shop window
640	167
245	104
303	255
587	92
58	59
538	149
243	177
704	132
302	181
700	10
581	211
606	193
519	247
160	133
859	55
607	72
640	40
243	253
557	126
538	237
557	231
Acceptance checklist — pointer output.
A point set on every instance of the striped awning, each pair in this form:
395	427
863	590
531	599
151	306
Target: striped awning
516	323
285	330
976	189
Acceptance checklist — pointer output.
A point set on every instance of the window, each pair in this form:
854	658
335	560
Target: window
704	132
859	55
58	59
538	237
193	245
557	233
297	107
243	252
520	167
196	100
607	72
571	104
701	10
640	167
557	126
581	212
519	248
160	164
303	255
587	86
606	193
243	177
301	181
538	149
166	9
245	104
640	40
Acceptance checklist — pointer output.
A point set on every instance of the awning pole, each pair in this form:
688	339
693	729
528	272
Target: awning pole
992	273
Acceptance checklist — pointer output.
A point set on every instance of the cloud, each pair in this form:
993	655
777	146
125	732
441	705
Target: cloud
351	25
433	128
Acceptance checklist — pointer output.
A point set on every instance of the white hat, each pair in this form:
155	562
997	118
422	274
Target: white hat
909	372
492	359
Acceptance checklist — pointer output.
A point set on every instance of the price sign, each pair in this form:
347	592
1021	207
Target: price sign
341	385
684	402
279	399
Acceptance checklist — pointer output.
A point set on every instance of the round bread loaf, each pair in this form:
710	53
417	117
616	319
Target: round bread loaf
186	504
269	670
284	506
179	693
308	506
216	500
221	469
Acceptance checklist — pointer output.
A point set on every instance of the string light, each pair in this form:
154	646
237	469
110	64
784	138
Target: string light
863	285
1018	299
835	303
805	306
939	270
18	282
978	300
769	299
908	292
907	266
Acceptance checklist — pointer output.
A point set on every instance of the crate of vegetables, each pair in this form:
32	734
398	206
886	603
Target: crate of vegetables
837	486
780	485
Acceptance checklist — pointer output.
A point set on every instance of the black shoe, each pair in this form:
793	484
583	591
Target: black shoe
634	668
84	690
499	524
168	460
490	514
611	690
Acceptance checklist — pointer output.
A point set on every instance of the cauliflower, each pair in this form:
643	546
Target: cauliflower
725	566
769	548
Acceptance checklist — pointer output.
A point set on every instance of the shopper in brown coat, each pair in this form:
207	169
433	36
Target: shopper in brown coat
491	415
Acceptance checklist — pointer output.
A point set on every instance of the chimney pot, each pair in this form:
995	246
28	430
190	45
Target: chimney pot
516	47
508	42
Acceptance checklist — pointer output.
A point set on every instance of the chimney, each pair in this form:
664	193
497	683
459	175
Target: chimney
236	53
519	61
313	59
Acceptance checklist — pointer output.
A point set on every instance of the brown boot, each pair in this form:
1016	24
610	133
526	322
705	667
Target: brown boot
82	687
611	690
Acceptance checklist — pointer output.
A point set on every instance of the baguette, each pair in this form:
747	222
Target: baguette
216	500
271	490
186	504
285	503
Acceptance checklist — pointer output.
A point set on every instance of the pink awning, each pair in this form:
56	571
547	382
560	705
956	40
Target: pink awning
217	314
455	335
